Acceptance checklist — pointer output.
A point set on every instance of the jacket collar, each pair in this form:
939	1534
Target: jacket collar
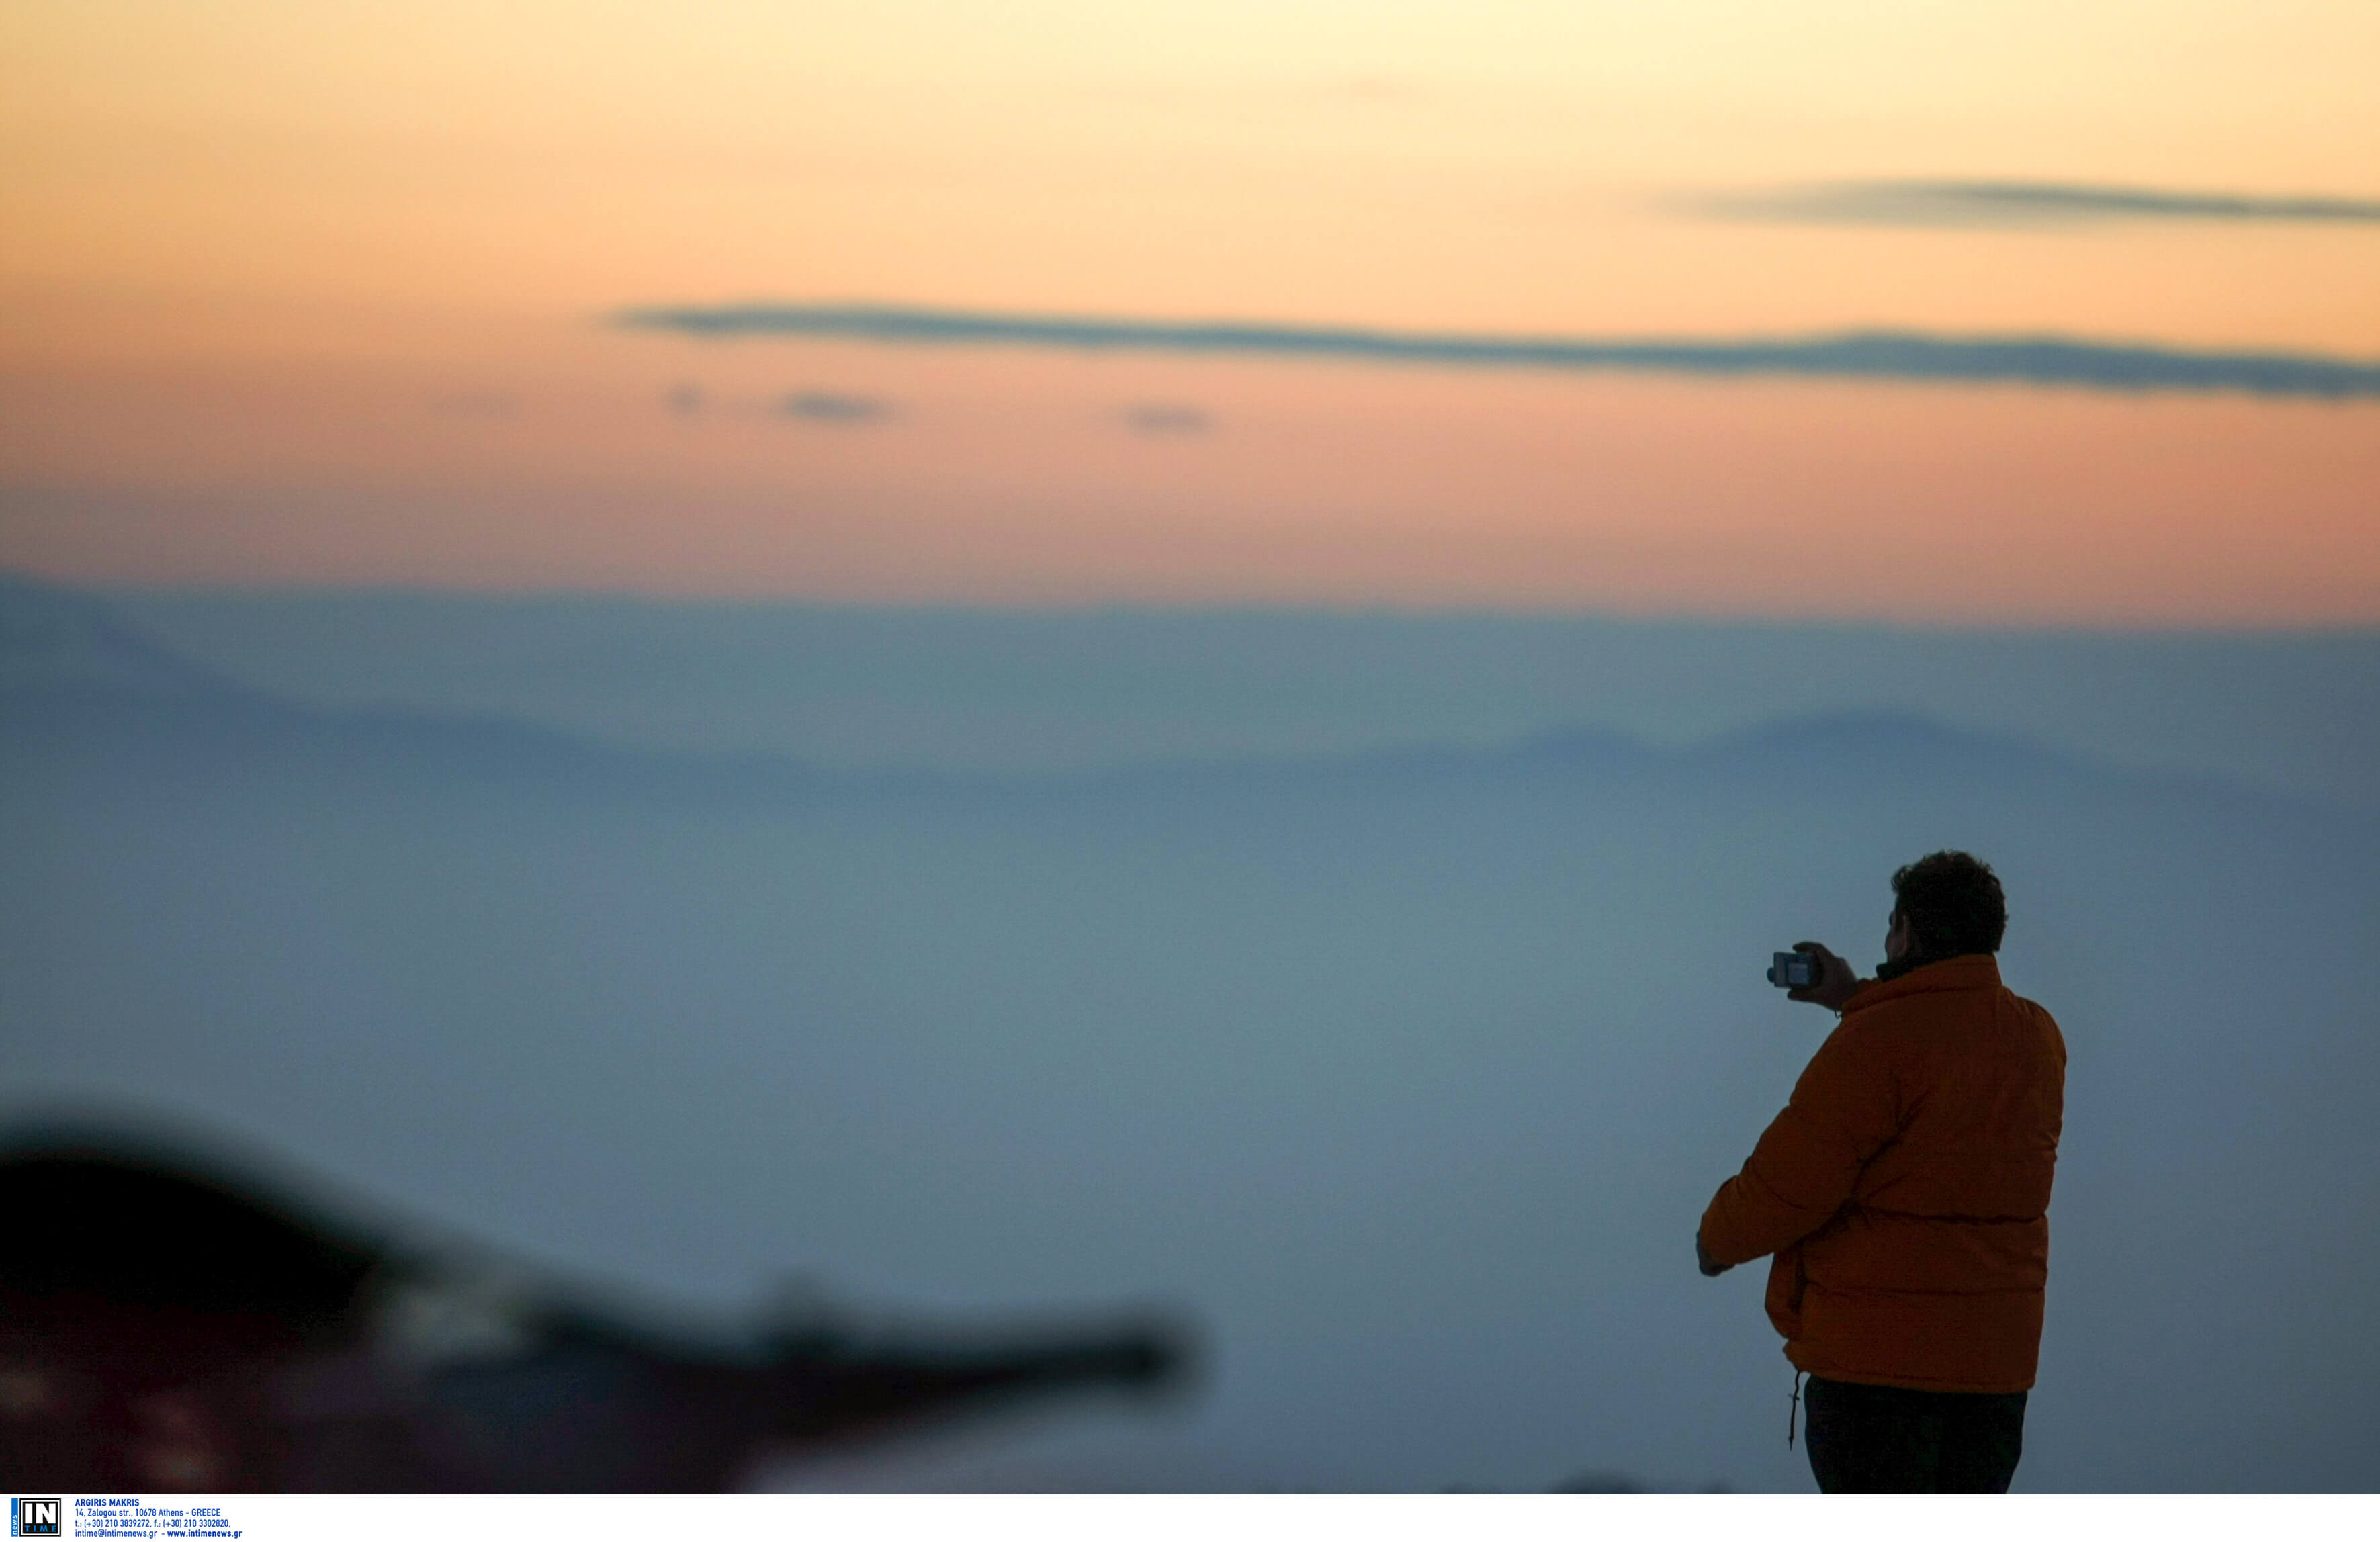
1966	972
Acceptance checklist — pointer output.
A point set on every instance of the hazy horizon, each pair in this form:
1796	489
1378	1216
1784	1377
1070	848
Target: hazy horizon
1026	689
1403	1073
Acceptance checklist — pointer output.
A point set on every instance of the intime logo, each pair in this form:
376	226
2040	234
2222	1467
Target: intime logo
34	1518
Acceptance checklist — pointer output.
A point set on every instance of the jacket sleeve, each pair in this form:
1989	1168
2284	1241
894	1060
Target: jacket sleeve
1844	1110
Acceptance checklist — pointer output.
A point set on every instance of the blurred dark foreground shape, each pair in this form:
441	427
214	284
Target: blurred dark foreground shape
166	1325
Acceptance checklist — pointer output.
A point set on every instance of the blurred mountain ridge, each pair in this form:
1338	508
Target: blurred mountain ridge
1020	691
55	639
73	675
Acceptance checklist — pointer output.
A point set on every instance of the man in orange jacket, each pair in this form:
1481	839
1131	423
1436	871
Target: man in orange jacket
1904	1192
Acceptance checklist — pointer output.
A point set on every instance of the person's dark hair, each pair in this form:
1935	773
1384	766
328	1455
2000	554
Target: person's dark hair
1953	903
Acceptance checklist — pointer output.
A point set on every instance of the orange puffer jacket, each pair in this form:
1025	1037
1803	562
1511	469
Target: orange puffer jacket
1905	1189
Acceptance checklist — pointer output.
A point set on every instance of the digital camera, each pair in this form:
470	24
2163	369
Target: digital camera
1795	971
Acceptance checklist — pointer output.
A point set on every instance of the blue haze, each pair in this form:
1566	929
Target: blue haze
1021	691
1405	1068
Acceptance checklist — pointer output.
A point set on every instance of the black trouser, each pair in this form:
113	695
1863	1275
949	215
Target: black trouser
1898	1441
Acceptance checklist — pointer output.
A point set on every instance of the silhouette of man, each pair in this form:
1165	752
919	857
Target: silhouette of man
1904	1192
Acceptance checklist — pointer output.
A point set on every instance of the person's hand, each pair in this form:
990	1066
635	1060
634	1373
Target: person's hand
1837	979
1703	1261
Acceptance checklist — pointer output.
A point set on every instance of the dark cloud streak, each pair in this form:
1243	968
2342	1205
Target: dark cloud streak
2051	361
2020	204
1167	418
828	407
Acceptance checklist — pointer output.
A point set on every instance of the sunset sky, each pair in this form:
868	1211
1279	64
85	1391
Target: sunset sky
345	293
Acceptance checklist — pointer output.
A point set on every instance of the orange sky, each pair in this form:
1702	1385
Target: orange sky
295	292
